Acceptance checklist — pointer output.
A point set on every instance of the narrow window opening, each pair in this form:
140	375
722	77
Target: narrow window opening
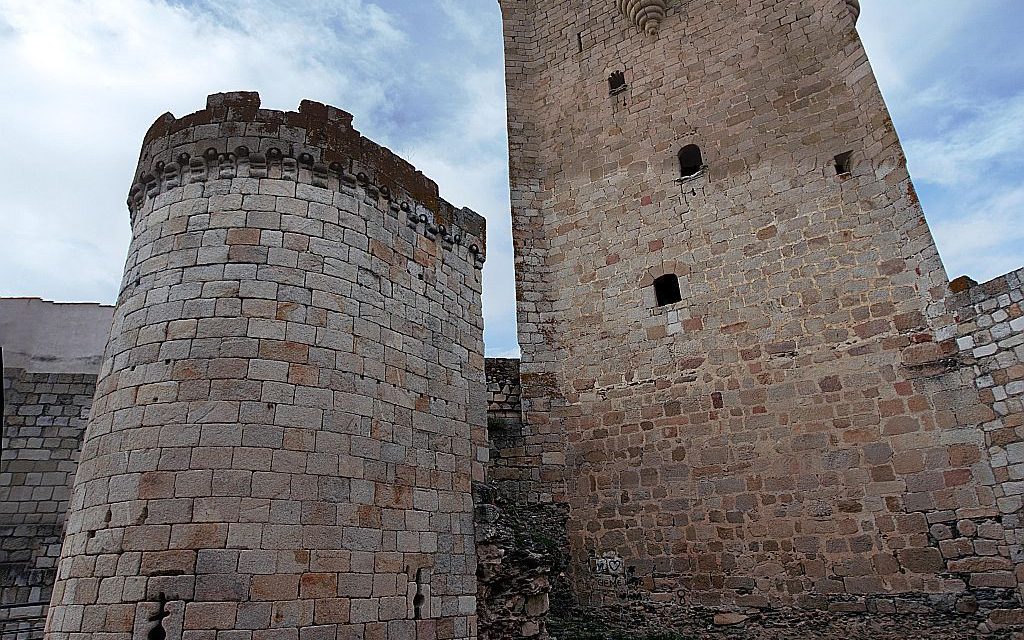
616	83
158	632
579	41
844	163
691	162
666	290
419	599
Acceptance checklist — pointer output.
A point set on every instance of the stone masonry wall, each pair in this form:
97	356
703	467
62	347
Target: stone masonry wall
291	409
800	428
990	334
44	419
509	470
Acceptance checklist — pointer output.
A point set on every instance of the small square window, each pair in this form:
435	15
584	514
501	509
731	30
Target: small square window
666	290
691	162
844	163
617	83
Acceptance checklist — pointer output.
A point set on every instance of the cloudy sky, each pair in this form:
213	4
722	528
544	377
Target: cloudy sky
83	80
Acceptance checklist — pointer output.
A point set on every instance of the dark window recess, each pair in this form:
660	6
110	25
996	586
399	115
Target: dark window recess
419	599
691	162
616	83
579	41
666	290
158	632
844	163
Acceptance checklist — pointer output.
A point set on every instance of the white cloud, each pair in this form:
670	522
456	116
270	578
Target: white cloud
84	80
509	353
905	37
465	22
986	239
950	71
961	154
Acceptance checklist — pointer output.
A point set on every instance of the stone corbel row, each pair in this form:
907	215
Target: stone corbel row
303	168
648	14
449	238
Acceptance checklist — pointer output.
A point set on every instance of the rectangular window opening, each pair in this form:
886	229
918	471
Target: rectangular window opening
844	163
666	290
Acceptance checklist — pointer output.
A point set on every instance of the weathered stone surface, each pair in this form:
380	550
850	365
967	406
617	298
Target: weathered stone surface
44	419
729	619
794	426
521	555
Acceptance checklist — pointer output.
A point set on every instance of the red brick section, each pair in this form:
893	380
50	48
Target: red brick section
801	430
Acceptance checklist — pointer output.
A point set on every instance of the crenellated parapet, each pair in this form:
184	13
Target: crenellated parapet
233	138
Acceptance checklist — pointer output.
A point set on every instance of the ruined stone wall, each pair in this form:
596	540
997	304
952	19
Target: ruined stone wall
521	544
291	409
521	578
799	427
44	419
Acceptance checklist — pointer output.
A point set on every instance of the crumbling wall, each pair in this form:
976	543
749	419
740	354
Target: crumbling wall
522	559
521	545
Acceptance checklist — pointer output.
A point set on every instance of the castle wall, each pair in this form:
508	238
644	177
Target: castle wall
44	419
48	337
51	353
46	416
509	469
792	431
990	334
290	411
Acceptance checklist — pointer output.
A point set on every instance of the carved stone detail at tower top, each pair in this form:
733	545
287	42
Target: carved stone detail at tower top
854	8
645	14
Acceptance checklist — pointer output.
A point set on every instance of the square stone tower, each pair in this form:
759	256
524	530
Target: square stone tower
732	316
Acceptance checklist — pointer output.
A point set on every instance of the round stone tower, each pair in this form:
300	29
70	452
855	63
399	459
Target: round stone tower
291	409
